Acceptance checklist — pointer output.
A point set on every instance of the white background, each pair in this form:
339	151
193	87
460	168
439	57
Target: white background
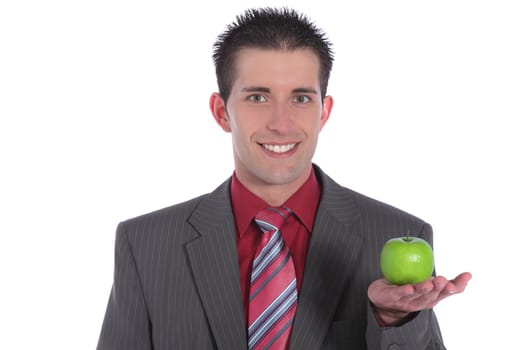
104	116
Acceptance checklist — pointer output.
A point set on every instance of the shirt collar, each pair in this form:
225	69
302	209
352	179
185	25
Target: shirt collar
303	203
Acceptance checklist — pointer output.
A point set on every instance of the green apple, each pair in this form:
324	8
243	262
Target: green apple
406	260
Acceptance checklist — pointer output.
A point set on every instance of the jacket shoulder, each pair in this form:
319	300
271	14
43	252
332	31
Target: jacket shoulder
372	205
368	207
162	225
179	210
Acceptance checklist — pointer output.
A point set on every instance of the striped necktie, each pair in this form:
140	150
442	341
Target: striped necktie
273	292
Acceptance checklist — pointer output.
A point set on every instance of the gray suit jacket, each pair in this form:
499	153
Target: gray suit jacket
177	283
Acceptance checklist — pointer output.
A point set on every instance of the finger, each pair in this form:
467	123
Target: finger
424	287
440	283
427	294
404	291
458	284
462	279
428	300
427	297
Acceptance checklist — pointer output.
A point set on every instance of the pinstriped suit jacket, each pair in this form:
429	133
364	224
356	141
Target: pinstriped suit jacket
177	284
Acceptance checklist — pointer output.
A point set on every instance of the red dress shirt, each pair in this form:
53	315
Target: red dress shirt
296	231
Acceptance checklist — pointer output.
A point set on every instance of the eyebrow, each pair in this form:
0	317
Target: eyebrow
305	90
255	89
267	90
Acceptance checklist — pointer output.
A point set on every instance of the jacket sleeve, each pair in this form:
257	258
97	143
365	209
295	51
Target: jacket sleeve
420	333
126	323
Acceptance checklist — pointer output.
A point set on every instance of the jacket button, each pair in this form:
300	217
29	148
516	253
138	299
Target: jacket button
394	347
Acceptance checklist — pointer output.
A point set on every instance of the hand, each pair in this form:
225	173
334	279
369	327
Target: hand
393	304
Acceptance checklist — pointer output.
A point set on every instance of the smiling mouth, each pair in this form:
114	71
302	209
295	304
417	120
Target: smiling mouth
279	148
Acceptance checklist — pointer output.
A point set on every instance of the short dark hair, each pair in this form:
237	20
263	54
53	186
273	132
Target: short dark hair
271	28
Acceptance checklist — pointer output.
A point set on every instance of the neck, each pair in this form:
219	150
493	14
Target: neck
273	194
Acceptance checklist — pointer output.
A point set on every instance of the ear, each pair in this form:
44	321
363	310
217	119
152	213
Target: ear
328	103
218	110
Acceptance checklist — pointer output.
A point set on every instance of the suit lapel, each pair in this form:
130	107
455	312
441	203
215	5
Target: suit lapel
334	247
213	258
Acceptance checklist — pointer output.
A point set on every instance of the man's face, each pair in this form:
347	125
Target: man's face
275	113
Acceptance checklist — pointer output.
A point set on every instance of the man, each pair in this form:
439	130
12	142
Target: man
185	276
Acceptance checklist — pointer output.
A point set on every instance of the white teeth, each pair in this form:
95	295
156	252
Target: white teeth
279	148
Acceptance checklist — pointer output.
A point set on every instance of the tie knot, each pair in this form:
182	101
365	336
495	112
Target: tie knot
272	218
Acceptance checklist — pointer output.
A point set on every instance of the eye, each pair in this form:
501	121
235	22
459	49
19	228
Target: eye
257	98
301	99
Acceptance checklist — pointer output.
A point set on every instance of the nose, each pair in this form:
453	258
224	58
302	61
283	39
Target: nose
281	118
